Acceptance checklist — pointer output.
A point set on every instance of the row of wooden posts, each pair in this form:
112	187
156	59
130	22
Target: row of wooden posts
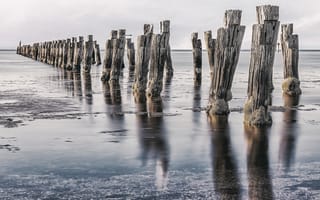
223	54
68	54
153	57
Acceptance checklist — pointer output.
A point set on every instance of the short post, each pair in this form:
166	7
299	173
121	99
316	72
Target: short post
290	54
165	31
226	56
210	45
130	54
97	53
264	42
88	49
197	58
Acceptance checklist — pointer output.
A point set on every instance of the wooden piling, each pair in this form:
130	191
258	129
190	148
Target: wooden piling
142	63
226	56
78	55
107	62
97	53
260	86
159	48
71	50
165	31
210	45
87	59
130	54
122	44
197	58
290	54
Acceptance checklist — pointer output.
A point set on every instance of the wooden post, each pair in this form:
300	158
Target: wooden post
290	53
71	51
159	48
197	58
142	63
88	49
130	54
264	42
210	45
97	53
122	40
78	55
165	31
226	56
107	62
116	62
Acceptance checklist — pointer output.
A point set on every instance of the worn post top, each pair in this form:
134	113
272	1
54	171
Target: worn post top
80	38
114	34
122	33
165	26
90	38
147	29
232	17
267	13
196	43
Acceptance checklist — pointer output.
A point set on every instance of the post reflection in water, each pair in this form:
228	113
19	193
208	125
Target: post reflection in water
130	82
69	83
87	88
153	139
196	107
289	132
225	175
112	97
259	179
77	85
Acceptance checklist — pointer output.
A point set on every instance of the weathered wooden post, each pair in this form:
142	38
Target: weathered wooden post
97	53
78	55
88	49
210	45
142	63
130	54
197	58
290	53
118	56
264	42
107	62
159	48
71	51
226	56
122	40
165	31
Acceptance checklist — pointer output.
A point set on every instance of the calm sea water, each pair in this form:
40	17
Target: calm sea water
70	138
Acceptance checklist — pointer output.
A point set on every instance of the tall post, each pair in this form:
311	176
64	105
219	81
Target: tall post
197	58
78	55
122	40
159	48
260	86
165	31
290	54
142	63
226	56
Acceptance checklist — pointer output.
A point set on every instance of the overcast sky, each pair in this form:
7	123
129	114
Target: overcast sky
39	20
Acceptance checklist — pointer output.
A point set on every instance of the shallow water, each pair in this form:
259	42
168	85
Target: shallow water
66	136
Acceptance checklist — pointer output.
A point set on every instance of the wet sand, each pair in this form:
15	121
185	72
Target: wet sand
65	135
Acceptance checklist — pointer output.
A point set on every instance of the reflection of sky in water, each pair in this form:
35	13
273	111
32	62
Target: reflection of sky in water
117	148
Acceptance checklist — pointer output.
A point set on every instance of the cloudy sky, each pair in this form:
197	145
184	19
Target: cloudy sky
39	20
